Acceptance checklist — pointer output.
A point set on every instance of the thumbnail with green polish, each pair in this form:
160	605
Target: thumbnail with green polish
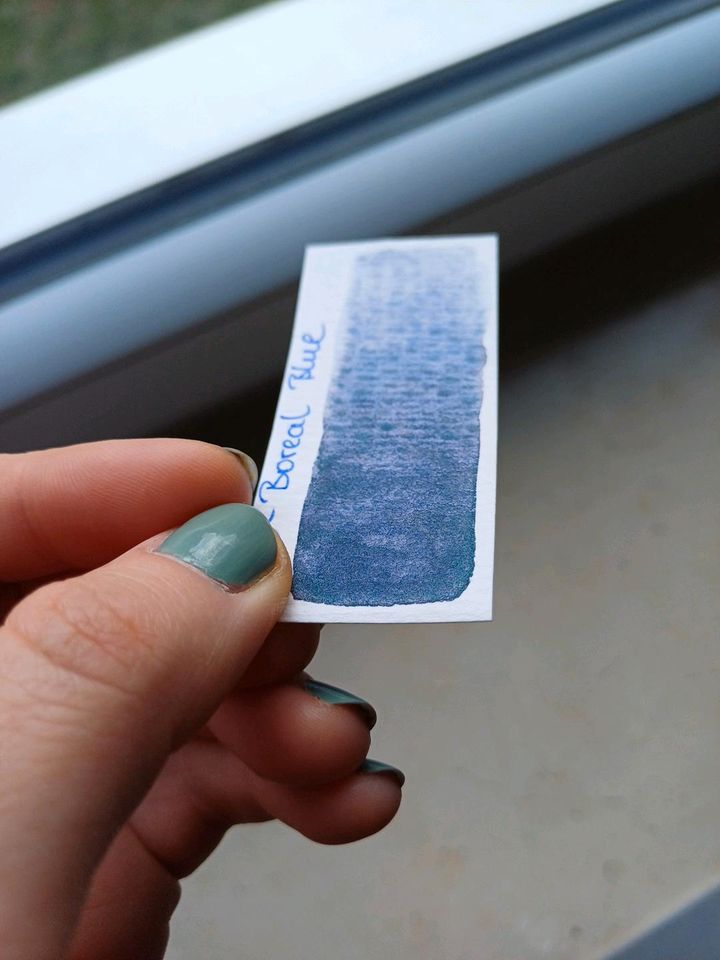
233	543
336	695
375	766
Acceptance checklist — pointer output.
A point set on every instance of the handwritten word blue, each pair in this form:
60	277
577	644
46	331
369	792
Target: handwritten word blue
304	369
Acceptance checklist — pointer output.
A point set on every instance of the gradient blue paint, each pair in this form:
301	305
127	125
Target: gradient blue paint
389	517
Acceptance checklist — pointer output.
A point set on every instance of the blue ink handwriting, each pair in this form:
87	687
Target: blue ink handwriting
304	370
285	463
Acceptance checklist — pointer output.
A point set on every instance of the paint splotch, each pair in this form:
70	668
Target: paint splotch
389	517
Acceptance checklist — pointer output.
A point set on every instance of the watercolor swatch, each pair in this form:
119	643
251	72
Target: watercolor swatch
380	474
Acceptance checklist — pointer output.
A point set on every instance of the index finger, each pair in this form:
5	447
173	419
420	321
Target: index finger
73	508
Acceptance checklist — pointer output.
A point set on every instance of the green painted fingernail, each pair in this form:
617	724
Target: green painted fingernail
336	695
248	464
375	766
233	543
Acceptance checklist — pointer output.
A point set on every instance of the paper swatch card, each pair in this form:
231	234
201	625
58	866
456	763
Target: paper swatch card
380	471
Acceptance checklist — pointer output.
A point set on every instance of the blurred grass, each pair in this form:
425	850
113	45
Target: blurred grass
45	41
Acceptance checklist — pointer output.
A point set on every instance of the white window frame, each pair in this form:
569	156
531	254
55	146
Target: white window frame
235	193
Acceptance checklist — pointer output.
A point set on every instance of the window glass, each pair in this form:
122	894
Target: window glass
43	42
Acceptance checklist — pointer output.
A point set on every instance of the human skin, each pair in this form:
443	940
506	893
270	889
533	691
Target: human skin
145	705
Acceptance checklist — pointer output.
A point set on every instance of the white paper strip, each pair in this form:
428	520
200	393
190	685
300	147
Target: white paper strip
380	471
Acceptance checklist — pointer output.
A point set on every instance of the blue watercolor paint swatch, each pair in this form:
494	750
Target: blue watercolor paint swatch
389	517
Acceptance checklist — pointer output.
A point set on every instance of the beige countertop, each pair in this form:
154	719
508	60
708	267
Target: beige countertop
563	762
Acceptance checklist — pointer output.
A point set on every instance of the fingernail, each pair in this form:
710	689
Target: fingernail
233	543
248	463
335	695
375	766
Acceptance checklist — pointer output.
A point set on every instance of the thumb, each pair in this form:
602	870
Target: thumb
101	676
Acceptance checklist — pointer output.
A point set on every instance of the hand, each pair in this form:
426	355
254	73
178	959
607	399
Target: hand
145	706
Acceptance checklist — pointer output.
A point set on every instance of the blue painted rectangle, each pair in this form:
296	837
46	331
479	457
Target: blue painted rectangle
389	517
